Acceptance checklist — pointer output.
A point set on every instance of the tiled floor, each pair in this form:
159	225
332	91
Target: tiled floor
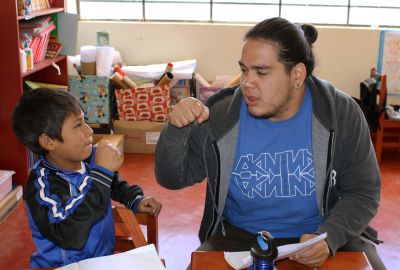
182	211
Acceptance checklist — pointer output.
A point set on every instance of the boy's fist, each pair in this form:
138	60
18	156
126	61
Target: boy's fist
108	156
149	205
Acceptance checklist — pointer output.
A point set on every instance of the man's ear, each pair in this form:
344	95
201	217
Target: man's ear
299	73
46	142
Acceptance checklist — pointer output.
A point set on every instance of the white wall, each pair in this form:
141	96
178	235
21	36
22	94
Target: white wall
344	55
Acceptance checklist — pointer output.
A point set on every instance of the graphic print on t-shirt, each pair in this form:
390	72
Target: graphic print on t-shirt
283	174
272	185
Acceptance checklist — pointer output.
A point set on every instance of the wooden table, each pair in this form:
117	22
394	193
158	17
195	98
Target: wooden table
214	260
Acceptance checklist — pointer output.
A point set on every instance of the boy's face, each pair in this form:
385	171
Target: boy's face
76	145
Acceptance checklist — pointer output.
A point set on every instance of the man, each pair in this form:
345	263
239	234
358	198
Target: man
284	152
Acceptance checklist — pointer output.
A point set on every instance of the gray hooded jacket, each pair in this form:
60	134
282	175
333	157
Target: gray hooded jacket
347	176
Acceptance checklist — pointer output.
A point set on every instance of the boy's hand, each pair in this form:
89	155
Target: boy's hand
149	205
108	156
313	256
187	111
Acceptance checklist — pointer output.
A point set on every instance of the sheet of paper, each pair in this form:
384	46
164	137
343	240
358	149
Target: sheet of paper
72	266
243	259
136	259
181	70
286	251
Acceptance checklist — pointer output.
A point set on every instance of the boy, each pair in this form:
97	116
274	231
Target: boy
69	189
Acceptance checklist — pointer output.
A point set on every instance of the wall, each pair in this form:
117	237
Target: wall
344	55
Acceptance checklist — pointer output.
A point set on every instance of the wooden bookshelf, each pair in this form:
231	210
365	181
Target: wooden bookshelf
14	155
41	12
42	65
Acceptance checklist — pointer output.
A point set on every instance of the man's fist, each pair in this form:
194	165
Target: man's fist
188	111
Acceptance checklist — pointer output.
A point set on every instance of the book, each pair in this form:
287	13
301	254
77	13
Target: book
243	259
53	48
34	85
136	259
10	202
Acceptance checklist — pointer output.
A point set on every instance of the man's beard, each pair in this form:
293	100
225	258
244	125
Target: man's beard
279	110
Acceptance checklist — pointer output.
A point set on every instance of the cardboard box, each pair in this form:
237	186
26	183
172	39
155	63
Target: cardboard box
5	182
94	96
116	140
139	136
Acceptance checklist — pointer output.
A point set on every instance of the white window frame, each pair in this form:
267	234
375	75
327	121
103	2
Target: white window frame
350	12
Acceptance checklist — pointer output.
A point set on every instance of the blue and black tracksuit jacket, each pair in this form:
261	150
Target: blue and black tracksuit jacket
70	213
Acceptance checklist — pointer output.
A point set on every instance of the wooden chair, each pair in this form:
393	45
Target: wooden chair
128	233
388	133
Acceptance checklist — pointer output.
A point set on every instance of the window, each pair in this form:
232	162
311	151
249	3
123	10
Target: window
334	12
375	12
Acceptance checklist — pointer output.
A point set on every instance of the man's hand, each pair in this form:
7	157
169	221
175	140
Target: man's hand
149	205
108	156
187	111
313	256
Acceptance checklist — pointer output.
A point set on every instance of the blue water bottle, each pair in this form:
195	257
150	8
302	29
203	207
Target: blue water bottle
264	252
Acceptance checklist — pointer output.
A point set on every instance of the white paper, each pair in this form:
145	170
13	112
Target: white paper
243	259
181	70
136	259
88	54
152	137
104	59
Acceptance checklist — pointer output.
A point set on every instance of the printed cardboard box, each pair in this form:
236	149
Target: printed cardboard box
94	95
206	92
139	136
143	103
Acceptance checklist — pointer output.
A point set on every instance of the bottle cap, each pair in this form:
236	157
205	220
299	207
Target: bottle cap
265	247
169	67
119	70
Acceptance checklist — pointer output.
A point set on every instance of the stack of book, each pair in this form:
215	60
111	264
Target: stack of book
37	33
39	4
9	198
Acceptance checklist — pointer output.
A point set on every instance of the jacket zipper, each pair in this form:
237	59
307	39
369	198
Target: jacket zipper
213	196
330	173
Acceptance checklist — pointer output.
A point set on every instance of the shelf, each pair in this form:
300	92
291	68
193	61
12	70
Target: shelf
41	13
42	65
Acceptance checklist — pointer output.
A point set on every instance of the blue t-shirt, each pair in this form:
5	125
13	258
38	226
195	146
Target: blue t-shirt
272	186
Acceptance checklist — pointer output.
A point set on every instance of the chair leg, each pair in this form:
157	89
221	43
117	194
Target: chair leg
378	144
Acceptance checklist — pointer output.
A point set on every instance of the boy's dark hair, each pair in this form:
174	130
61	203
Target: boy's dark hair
42	111
294	42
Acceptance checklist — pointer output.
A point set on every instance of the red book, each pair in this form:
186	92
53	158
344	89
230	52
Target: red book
44	48
47	30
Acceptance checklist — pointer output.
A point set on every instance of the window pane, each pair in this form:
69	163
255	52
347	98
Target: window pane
248	2
375	16
244	13
111	10
178	11
362	12
316	2
313	14
71	6
177	1
375	3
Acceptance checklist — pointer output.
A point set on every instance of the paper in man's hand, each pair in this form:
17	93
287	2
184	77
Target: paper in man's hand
243	259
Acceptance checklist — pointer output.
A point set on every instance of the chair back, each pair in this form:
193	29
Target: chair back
382	96
129	234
